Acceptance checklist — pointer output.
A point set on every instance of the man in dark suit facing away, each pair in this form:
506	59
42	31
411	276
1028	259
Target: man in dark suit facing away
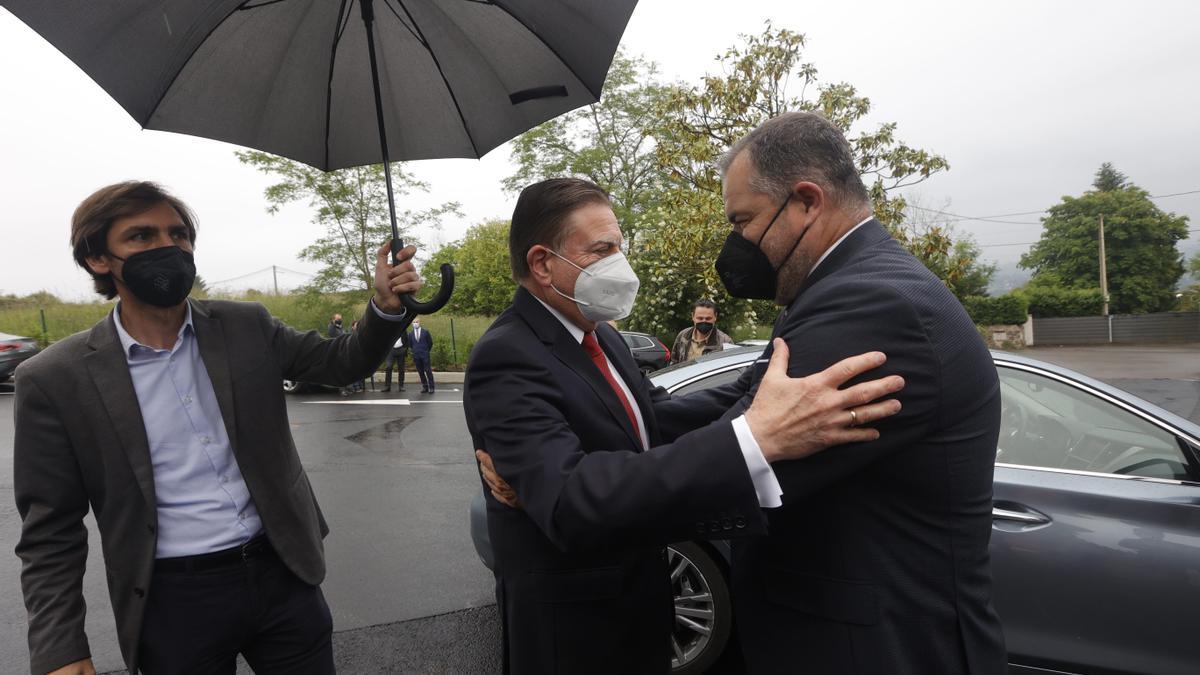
877	562
421	342
166	418
555	397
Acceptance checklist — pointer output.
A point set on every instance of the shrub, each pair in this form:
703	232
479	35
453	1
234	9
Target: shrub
1055	301
1004	309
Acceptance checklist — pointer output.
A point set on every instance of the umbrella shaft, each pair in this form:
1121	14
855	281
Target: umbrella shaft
368	16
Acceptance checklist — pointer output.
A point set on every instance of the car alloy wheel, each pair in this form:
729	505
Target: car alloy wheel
703	610
291	386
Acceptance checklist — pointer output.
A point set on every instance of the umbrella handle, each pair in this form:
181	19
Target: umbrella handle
439	300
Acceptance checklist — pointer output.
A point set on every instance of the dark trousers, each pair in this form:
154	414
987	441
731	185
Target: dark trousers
199	621
424	370
396	356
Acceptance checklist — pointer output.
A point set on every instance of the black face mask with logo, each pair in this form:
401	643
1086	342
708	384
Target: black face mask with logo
162	276
746	270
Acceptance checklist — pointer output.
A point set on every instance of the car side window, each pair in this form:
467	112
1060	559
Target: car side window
714	380
1048	423
639	341
629	340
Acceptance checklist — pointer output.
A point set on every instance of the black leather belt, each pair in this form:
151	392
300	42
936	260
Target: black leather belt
258	547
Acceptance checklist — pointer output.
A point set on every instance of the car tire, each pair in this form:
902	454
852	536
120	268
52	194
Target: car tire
292	386
647	369
701	593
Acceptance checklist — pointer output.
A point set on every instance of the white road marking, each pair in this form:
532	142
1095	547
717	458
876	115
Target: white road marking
389	401
380	401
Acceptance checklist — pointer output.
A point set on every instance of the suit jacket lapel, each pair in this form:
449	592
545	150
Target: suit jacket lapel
564	347
210	337
109	369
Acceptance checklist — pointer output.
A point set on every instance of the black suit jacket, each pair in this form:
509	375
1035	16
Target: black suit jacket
420	348
580	574
878	560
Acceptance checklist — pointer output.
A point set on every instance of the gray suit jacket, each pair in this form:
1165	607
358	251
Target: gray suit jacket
80	440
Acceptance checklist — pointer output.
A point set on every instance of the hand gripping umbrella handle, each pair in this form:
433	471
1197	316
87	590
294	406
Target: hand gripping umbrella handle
443	295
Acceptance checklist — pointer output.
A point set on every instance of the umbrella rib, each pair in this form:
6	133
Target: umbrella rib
344	20
405	24
183	66
246	5
554	51
442	74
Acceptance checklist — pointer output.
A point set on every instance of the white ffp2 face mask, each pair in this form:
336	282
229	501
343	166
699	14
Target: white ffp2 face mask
606	289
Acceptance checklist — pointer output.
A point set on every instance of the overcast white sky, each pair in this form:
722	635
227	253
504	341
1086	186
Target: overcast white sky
1025	98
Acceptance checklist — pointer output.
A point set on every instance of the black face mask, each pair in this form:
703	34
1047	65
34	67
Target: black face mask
745	270
704	327
162	276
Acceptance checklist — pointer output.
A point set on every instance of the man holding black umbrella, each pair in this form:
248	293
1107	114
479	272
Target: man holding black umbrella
167	419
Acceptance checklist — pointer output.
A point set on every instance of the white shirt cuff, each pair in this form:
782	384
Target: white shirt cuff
766	486
384	315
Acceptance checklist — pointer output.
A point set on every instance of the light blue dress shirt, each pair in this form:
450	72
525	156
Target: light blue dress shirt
203	502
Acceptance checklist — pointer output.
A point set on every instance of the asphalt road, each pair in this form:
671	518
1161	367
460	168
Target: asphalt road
394	479
1166	375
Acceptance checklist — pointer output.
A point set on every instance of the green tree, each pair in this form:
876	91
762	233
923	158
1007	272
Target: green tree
483	282
953	257
608	142
1193	265
1108	179
681	236
1143	260
352	206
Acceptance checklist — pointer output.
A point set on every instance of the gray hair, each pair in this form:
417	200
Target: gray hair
798	146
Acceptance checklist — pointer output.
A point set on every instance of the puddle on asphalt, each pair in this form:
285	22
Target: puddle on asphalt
383	437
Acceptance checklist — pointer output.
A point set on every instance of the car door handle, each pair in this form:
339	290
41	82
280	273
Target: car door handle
1023	517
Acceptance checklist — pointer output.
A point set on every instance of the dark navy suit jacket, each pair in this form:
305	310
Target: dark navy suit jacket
878	560
420	348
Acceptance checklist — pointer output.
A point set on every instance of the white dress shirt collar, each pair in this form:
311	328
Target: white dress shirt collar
839	241
128	342
575	331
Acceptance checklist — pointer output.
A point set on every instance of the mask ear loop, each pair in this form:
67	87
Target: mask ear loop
794	246
773	219
581	270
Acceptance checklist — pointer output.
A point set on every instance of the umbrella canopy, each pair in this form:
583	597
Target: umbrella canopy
293	78
308	80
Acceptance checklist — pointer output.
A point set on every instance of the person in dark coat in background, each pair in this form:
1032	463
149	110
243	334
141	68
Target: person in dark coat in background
421	342
334	328
397	356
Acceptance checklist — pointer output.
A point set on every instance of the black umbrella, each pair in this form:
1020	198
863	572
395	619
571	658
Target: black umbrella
340	83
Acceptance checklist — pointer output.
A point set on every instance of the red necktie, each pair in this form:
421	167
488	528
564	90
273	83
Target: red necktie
592	347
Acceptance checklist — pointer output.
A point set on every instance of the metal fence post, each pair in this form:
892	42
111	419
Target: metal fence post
453	343
45	333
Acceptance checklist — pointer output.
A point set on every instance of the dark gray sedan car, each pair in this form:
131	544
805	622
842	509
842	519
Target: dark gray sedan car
1095	531
13	350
